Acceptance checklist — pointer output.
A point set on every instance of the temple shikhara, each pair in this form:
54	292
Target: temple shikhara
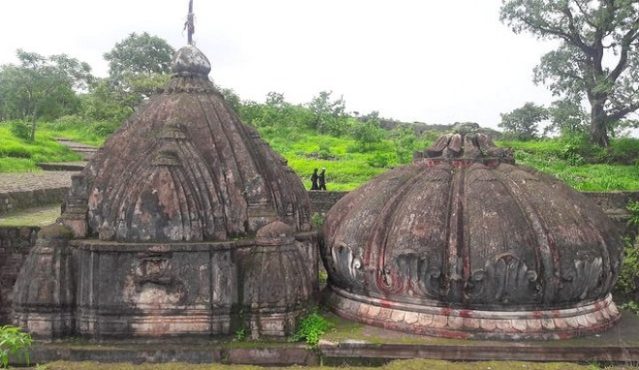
184	223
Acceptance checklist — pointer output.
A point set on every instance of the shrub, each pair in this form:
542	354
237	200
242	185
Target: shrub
624	150
629	276
380	160
311	328
317	220
69	121
104	129
20	130
14	151
13	342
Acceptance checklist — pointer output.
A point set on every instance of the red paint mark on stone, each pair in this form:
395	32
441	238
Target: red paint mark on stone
538	314
465	314
564	335
454	334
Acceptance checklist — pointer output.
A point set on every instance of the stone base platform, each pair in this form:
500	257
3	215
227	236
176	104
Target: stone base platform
351	343
591	318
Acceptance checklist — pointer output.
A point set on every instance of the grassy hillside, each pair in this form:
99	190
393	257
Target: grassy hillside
17	155
568	162
349	163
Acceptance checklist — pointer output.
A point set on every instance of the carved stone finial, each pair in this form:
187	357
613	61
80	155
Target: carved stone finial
466	143
189	25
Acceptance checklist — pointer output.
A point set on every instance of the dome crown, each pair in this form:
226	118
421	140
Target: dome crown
184	168
190	61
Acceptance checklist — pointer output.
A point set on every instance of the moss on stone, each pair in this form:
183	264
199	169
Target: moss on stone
55	231
415	364
39	216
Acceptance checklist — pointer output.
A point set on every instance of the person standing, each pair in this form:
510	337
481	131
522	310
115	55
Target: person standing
314	178
322	179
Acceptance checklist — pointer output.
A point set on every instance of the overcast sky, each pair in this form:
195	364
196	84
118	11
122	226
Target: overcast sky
415	60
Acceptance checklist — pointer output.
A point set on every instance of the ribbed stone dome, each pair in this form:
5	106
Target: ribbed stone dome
184	168
465	243
203	229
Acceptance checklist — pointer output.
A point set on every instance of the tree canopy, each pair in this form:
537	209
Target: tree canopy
597	60
41	87
521	123
138	66
141	54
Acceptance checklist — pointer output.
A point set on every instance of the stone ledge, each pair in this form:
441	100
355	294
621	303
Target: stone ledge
17	200
199	351
474	324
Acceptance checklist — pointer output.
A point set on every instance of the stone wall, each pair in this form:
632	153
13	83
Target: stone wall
15	243
322	201
33	198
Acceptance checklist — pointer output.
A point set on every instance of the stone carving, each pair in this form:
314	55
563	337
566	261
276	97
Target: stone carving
152	281
582	278
505	279
348	264
184	223
421	274
463	233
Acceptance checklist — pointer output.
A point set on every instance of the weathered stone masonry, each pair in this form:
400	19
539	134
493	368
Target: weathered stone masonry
464	243
15	244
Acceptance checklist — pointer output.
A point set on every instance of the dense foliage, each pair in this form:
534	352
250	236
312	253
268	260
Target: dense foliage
522	123
597	60
41	87
13	342
311	328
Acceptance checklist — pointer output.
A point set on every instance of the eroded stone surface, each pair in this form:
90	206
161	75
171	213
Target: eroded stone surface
465	228
185	223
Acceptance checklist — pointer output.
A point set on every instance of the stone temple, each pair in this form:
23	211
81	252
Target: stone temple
464	243
184	223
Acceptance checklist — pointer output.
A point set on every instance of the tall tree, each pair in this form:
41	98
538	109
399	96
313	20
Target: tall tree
522	122
138	65
41	87
598	57
139	55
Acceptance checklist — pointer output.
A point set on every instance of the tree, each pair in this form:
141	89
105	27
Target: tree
329	115
568	117
41	87
368	131
139	55
104	103
522	122
598	57
138	66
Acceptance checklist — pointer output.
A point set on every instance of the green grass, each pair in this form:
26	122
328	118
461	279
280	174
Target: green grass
414	364
347	164
18	155
553	157
82	133
40	216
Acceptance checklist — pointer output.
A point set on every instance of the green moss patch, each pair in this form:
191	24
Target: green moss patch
40	216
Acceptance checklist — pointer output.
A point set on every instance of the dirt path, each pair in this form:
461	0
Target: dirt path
28	181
